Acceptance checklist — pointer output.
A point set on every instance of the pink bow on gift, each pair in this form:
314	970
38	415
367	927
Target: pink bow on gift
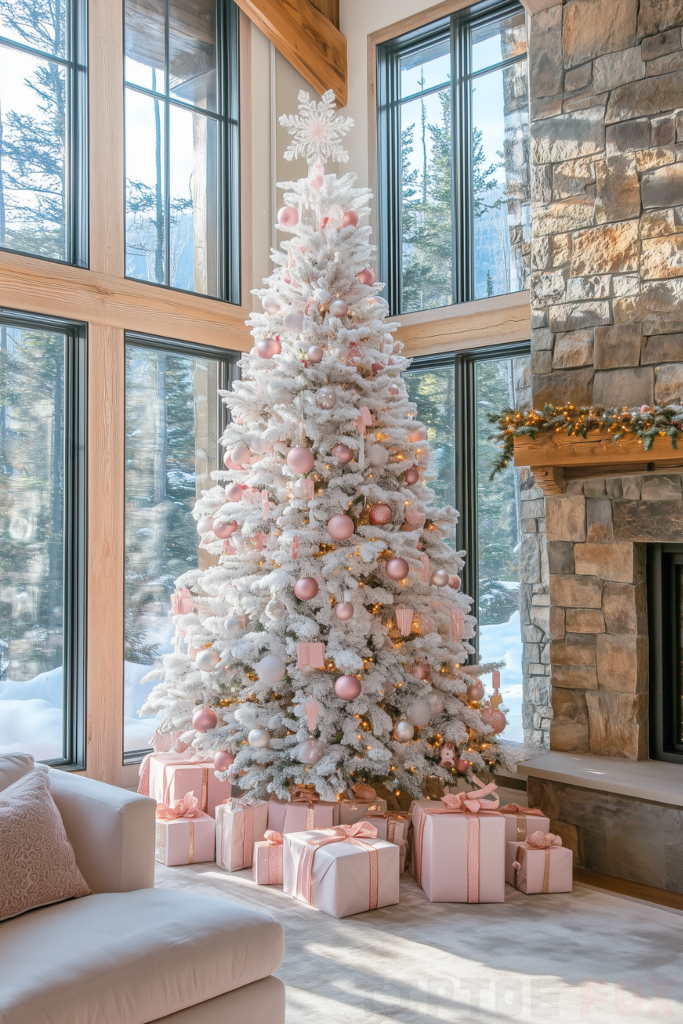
301	794
188	807
516	809
273	838
363	792
469	802
339	834
543	840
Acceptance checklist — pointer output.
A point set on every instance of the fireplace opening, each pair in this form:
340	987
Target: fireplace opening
665	614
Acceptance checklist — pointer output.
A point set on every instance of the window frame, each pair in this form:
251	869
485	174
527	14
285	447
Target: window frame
664	576
464	365
228	373
455	27
228	121
76	155
75	528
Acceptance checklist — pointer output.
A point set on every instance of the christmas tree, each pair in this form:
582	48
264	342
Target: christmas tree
328	646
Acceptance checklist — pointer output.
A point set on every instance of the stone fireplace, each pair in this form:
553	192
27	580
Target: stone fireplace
606	94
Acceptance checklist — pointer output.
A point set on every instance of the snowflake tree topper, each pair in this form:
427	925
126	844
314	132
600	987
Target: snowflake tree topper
317	130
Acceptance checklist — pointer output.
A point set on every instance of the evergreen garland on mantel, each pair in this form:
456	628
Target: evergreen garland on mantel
646	424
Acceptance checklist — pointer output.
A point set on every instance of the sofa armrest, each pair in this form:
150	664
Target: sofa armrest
110	829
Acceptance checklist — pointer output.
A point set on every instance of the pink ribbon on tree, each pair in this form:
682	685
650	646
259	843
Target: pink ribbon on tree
188	807
404	620
181	602
457	623
339	834
265	504
364	419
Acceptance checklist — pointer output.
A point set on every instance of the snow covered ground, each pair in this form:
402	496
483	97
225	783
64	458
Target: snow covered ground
31	712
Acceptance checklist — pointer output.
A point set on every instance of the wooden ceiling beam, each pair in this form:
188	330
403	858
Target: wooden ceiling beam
307	39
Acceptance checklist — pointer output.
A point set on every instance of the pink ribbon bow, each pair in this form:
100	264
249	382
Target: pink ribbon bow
365	793
543	840
273	838
472	801
188	807
301	794
516	809
339	834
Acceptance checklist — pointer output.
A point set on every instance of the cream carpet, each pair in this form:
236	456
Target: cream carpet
586	956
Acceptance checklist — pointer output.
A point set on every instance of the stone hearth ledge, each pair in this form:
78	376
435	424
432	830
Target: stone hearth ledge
656	781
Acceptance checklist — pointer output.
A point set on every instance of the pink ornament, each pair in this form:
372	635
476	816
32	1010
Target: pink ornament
380	515
204	719
419	434
412	475
222	760
269	347
376	367
498	720
315	354
340	527
344	611
394	390
306	588
240	455
462	765
366	276
228	463
644	410
300	460
342	453
233	492
351	219
421	671
347	687
495	679
223	530
316	175
475	691
287	216
397	569
454	582
339	307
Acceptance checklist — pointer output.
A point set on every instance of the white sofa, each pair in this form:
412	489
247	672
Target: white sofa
132	954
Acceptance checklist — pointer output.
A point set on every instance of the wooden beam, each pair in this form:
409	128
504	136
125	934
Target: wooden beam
330	8
596	449
306	38
504	318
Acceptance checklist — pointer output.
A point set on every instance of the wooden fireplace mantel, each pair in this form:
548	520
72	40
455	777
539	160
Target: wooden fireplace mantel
556	458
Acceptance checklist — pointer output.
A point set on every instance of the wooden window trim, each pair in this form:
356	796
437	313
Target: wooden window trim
498	320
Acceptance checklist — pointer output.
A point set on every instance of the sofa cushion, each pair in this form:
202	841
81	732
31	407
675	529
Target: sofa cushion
13	766
37	862
131	957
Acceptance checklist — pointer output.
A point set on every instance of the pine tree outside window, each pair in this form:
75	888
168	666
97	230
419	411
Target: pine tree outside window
181	145
453	159
43	104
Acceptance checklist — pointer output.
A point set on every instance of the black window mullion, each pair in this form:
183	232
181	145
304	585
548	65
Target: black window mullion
462	220
167	151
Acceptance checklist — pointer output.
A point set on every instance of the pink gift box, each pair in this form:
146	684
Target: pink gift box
351	811
459	857
240	823
539	871
185	840
171	777
267	866
297	816
519	823
343	882
390	828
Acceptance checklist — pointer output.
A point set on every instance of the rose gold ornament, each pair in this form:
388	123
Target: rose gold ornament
339	307
223	530
233	492
394	390
366	276
204	719
342	453
415	520
306	588
344	611
454	582
287	217
222	760
380	515
397	569
498	720
340	527
268	347
315	354
419	434
412	475
351	219
300	460
439	578
347	687
475	691
462	765
421	671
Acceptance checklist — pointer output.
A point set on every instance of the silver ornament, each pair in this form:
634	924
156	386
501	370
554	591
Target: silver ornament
440	578
275	609
419	712
403	731
233	625
435	701
259	739
310	751
299	489
326	398
207	660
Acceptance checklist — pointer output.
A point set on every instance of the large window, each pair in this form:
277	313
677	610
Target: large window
42	113
454	396
453	160
181	124
174	419
42	525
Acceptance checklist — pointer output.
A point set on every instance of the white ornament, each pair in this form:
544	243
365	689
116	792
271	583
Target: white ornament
271	670
317	130
275	609
435	701
233	625
260	445
293	322
403	731
207	660
204	526
378	455
419	712
299	489
259	739
271	302
310	751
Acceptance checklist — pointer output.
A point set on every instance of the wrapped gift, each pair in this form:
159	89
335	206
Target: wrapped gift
391	826
520	821
364	799
184	833
459	847
402	855
343	870
305	811
240	822
267	866
171	775
540	864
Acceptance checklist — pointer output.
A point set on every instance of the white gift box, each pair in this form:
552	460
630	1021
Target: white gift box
519	823
297	815
351	811
391	829
239	824
341	876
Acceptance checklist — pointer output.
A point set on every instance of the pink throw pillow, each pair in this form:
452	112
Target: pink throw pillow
37	861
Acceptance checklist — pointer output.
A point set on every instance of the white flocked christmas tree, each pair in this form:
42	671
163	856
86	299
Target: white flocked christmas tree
328	645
